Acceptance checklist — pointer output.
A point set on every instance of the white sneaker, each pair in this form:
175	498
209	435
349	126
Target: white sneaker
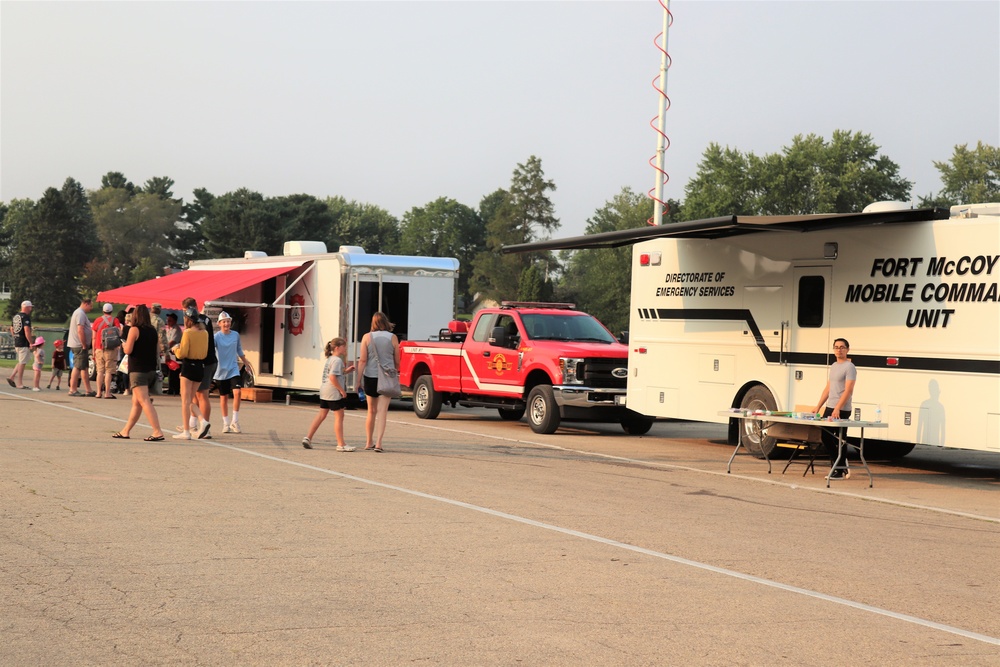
226	429
235	428
183	435
35	389
347	448
202	431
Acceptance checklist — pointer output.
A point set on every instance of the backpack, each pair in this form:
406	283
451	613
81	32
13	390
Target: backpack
111	337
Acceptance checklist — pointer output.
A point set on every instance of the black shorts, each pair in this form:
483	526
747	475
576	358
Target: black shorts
371	386
192	370
339	404
226	386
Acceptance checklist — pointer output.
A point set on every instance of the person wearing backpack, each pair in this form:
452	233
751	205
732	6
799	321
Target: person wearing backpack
107	341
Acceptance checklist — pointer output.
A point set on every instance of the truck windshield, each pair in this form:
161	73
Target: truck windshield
582	328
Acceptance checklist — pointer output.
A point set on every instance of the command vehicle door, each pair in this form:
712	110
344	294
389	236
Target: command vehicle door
493	368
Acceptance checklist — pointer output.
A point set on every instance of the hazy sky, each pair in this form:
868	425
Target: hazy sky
398	103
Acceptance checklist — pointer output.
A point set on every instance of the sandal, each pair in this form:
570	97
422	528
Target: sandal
154	438
119	436
379	450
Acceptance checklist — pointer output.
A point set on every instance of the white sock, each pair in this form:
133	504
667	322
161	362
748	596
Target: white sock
236	416
193	423
225	420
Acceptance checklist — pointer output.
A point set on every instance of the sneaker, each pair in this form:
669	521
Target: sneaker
235	428
183	435
35	389
202	432
839	474
306	443
346	448
226	428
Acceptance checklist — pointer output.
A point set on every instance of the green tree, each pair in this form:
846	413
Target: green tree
116	179
525	214
134	231
242	220
161	186
186	237
47	262
599	280
358	224
969	177
812	175
444	228
304	217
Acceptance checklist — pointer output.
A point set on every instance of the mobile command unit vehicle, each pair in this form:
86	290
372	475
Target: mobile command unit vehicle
742	311
286	308
550	360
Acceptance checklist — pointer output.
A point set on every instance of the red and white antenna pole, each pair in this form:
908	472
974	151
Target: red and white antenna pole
663	143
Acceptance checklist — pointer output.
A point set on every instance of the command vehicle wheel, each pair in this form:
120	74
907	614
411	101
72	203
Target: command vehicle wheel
637	425
758	398
426	401
510	414
543	413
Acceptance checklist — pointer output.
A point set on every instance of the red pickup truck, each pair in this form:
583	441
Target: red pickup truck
547	359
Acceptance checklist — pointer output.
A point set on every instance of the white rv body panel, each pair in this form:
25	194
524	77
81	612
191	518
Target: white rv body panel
285	322
918	302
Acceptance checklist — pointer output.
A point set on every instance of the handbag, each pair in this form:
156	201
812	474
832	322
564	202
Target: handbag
123	366
388	378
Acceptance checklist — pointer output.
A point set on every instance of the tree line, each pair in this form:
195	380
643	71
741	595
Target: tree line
72	243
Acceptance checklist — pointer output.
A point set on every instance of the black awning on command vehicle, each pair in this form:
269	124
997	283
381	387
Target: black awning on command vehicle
732	225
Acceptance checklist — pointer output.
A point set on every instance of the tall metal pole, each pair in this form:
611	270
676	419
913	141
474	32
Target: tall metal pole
661	147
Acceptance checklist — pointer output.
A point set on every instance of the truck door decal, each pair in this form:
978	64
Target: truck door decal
499	363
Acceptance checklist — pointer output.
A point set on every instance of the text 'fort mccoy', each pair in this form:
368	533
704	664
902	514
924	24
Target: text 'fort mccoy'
958	281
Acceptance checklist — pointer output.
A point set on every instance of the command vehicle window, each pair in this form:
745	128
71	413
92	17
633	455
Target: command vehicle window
812	294
483	328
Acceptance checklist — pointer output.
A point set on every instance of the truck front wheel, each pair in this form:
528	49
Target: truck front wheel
543	413
426	401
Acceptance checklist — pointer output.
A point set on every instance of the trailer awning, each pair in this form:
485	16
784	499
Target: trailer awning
731	225
207	283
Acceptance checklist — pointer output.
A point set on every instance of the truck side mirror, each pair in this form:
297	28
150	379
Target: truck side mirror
623	337
499	337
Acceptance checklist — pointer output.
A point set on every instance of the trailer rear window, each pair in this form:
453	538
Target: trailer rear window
812	293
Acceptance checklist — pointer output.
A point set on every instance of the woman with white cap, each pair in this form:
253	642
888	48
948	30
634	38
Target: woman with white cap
229	350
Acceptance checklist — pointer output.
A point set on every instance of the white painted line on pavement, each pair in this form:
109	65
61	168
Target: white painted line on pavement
630	547
716	473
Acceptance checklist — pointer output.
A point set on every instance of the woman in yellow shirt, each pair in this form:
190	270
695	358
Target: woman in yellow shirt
192	351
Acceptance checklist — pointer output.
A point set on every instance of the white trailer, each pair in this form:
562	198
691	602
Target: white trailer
742	312
286	308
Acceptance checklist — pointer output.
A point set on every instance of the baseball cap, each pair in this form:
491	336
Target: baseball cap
224	316
108	308
39	341
129	308
59	342
27	304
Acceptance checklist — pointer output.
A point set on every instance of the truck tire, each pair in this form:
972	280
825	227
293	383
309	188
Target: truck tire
511	414
637	425
543	413
758	398
426	401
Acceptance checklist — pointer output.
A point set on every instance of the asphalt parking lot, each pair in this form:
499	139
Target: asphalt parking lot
476	541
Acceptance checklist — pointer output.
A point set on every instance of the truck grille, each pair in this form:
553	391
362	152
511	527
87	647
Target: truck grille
598	373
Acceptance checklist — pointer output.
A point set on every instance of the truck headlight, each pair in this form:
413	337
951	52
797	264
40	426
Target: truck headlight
572	370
